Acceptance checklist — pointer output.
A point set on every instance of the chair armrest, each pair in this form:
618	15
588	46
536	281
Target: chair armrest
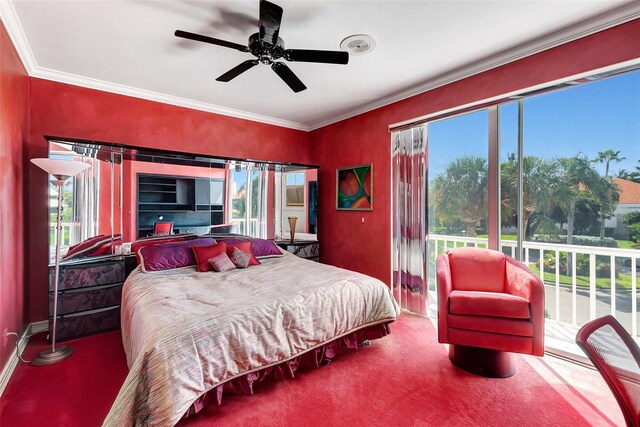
523	282
445	285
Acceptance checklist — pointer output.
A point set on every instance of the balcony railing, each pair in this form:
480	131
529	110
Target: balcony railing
66	233
571	299
254	226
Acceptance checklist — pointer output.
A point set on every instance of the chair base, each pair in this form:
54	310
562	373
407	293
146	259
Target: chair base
483	361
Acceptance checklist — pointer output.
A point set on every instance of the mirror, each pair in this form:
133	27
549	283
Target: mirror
131	193
297	197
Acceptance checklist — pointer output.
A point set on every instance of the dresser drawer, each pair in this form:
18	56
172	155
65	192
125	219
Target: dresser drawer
88	274
87	322
82	299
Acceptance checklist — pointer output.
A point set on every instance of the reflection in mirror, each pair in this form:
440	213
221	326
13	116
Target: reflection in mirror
130	193
296	195
89	206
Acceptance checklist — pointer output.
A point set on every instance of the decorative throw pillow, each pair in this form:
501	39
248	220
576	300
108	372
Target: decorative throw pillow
93	246
240	258
166	256
261	247
155	240
205	253
222	262
245	247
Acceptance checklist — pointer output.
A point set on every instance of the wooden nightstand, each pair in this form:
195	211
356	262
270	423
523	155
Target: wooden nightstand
308	249
89	294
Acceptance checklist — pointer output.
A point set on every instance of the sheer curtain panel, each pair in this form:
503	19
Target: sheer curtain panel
409	218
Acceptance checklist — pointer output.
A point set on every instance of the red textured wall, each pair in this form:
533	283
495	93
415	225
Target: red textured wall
365	247
64	110
14	132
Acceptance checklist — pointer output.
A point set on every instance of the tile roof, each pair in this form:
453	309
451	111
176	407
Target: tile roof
629	191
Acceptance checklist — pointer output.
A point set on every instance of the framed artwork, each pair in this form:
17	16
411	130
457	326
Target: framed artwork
354	188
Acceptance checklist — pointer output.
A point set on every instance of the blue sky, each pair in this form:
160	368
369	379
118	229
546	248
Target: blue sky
592	117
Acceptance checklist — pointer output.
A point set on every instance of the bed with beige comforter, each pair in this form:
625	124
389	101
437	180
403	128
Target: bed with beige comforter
186	332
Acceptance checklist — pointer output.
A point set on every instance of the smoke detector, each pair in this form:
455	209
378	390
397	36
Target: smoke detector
358	44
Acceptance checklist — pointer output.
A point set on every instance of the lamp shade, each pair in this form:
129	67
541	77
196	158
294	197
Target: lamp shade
61	169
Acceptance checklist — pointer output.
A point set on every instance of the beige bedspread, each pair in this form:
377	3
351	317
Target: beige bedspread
186	332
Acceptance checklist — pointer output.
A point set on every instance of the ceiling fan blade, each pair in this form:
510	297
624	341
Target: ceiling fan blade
236	71
270	17
211	40
324	56
287	75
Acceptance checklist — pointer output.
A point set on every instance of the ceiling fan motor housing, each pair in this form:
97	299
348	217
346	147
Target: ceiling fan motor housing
265	52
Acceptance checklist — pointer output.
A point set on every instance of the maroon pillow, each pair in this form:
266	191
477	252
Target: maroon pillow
205	253
261	247
93	246
155	240
243	246
166	256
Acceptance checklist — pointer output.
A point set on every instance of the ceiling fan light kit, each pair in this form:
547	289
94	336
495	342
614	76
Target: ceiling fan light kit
268	48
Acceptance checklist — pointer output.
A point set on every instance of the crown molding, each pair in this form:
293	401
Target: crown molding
626	13
12	24
73	79
16	34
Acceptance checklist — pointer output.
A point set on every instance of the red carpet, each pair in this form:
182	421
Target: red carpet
403	379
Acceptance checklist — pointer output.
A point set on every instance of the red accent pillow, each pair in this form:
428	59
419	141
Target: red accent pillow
93	246
205	253
141	243
246	247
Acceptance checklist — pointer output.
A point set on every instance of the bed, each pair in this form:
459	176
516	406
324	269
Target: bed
187	333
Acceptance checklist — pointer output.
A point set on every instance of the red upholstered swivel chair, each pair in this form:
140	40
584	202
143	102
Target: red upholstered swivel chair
489	305
162	228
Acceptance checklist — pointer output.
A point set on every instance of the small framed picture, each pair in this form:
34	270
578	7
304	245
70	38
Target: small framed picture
354	188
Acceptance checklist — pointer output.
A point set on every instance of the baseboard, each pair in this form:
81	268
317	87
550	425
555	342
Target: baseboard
7	370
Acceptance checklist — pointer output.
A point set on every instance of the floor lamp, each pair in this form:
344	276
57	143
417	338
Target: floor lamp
61	171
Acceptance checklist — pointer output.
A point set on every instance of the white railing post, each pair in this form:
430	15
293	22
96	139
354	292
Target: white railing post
574	288
557	285
634	297
592	286
613	284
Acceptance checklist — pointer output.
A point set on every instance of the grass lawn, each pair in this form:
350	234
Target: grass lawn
623	281
626	244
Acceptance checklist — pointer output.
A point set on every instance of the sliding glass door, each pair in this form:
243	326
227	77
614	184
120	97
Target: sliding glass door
561	193
248	197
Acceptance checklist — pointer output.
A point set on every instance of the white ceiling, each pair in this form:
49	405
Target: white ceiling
129	47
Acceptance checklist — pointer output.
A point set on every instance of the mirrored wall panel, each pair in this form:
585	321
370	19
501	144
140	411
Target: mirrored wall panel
131	193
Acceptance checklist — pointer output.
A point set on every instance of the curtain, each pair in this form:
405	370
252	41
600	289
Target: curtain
86	201
409	216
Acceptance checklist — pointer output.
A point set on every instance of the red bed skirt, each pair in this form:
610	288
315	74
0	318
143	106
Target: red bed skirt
311	359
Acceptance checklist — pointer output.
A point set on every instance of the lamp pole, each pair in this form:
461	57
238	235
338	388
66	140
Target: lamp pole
61	171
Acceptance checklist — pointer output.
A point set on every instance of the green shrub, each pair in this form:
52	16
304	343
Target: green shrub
603	270
607	242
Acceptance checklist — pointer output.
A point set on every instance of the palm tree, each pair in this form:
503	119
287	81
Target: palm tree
606	157
578	175
461	192
541	190
634	175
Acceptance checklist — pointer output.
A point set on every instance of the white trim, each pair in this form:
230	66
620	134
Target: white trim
12	24
625	13
9	367
88	82
596	24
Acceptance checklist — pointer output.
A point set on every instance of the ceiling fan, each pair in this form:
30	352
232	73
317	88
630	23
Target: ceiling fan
267	47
